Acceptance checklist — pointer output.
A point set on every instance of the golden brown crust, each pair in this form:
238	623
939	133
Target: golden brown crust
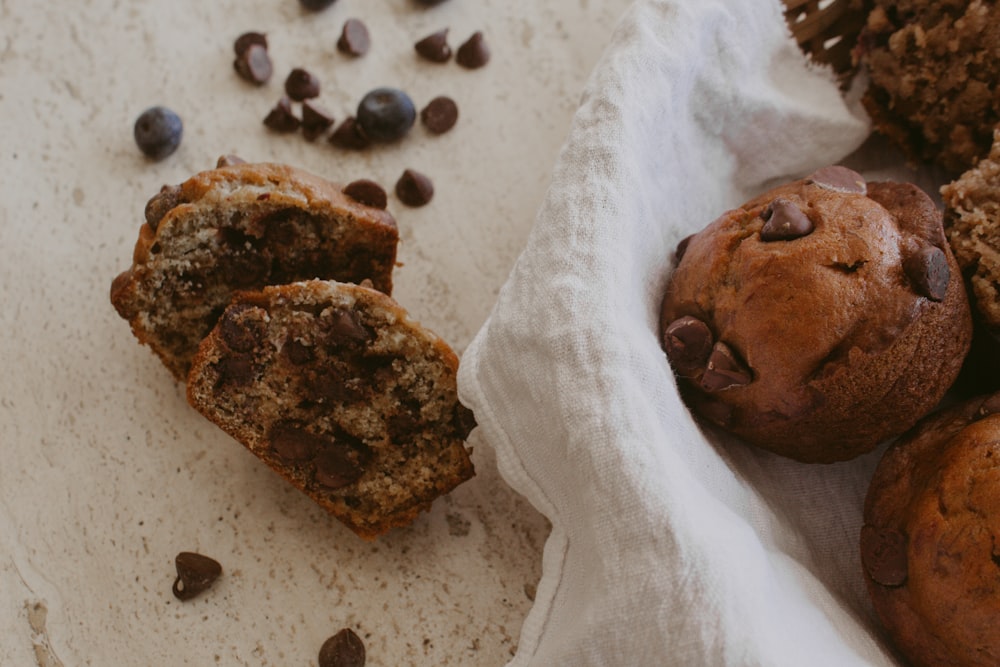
334	387
931	542
238	227
833	339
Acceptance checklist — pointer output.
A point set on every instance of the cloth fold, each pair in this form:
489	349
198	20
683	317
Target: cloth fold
670	545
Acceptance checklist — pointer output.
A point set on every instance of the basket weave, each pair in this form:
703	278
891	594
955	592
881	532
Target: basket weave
827	30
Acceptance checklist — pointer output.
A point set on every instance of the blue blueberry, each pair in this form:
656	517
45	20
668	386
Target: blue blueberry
158	132
386	114
316	5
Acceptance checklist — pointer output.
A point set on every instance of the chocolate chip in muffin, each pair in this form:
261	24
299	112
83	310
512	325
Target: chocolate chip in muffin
281	118
688	343
440	114
367	192
928	271
784	221
344	649
301	84
160	204
434	47
414	188
228	160
883	555
474	52
195	574
839	179
725	370
354	38
315	120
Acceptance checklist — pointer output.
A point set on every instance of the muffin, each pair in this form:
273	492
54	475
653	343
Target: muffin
333	386
930	545
933	77
239	227
819	318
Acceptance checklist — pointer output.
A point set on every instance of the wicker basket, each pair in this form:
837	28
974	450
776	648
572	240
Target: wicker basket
827	29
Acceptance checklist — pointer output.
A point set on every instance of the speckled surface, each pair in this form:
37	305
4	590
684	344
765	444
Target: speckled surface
107	473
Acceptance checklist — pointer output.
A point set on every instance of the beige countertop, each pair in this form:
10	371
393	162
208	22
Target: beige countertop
107	473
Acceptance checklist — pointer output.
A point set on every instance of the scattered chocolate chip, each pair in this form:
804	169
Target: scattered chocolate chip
349	135
414	188
724	370
440	114
434	47
354	38
784	221
248	39
473	53
344	649
242	327
688	343
315	120
254	65
883	554
367	192
195	574
161	203
338	466
839	179
682	247
229	161
281	118
292	442
928	270
316	5
343	327
300	84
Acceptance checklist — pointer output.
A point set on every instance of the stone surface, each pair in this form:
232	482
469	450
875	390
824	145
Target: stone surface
107	473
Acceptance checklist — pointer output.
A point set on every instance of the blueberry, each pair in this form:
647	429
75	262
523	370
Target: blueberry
158	132
386	114
316	5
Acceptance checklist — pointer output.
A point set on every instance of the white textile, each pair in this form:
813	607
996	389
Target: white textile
670	545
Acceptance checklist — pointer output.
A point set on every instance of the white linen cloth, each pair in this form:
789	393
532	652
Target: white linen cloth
669	545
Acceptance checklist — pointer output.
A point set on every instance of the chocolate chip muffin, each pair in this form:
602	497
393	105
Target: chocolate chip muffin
242	226
930	545
934	71
334	386
819	318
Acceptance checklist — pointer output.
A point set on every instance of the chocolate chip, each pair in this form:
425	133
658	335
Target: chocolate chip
434	47
883	555
682	247
315	120
298	353
228	161
928	271
724	370
161	203
344	649
300	84
342	327
292	442
254	65
464	420
473	53
248	39
367	192
440	114
350	135
237	370
414	188
242	327
839	179
688	344
195	574
784	221
339	464
354	38
281	118
326	385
